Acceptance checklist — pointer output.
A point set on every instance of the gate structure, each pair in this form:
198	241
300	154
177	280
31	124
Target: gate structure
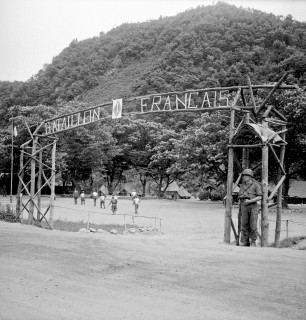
244	111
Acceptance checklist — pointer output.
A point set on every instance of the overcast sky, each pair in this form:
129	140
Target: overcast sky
32	32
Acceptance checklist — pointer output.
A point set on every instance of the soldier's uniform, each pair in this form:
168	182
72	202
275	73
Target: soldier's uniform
249	212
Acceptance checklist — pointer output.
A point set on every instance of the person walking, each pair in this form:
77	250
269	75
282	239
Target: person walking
95	196
136	202
102	200
82	197
250	192
75	196
113	202
133	194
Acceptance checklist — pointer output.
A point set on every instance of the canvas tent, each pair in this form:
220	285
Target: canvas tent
103	190
297	192
127	188
174	190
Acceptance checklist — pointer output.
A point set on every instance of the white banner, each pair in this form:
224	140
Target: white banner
117	109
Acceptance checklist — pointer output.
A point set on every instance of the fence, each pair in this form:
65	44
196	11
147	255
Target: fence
124	215
294	231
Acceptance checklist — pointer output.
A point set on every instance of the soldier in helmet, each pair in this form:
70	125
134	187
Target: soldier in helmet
250	192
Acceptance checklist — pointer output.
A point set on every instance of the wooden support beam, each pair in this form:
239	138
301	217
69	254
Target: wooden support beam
251	94
39	187
280	182
245	145
239	125
243	98
230	174
267	112
31	135
264	181
279	194
33	173
20	179
44	217
281	116
276	133
234	230
272	91
276	121
278	161
52	198
47	182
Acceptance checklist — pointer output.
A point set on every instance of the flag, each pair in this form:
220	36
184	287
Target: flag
15	131
117	109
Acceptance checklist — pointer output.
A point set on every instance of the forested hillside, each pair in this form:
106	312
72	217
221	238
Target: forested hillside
210	46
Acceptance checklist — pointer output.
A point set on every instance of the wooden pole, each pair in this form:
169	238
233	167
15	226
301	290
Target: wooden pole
33	174
12	165
245	150
278	224
230	176
264	180
52	198
272	91
251	93
38	222
20	176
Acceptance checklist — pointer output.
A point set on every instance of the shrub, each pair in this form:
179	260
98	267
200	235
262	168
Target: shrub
291	241
203	195
217	194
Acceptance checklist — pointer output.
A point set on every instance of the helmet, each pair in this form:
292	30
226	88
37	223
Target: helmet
247	172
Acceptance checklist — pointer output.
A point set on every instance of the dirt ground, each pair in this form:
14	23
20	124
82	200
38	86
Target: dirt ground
185	272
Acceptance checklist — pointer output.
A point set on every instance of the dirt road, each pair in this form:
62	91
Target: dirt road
184	273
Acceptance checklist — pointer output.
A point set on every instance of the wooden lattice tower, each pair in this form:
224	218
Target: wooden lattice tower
262	116
32	157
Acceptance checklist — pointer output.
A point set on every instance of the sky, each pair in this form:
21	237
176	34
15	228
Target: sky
32	32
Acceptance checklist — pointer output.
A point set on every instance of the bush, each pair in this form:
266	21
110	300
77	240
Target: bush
203	195
291	241
217	194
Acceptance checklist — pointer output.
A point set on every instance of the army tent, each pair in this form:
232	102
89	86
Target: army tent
127	188
297	192
177	192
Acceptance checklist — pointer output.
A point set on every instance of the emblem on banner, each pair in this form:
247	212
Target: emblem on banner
117	109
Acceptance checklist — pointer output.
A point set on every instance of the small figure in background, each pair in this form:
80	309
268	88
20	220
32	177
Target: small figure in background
114	202
102	200
82	197
136	202
95	196
75	196
133	194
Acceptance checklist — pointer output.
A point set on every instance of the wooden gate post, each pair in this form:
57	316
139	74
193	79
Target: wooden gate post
245	150
33	175
52	198
40	166
264	180
20	176
230	179
280	193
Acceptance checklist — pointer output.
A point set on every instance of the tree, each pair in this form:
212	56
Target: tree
293	105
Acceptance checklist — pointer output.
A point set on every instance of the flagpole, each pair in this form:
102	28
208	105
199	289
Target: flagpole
12	163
